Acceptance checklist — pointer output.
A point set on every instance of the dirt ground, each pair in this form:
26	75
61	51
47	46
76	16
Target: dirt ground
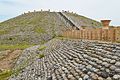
7	58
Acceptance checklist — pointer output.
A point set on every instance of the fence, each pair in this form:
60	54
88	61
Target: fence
112	34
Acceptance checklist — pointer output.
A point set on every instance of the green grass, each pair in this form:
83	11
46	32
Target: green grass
61	38
39	30
43	42
2	32
5	74
42	48
118	41
13	47
41	56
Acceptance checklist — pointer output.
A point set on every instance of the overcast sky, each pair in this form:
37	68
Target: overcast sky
95	9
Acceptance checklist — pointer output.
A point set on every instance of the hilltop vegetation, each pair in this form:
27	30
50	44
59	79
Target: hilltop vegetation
30	28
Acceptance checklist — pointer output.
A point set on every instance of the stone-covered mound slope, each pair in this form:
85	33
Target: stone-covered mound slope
64	59
35	27
31	28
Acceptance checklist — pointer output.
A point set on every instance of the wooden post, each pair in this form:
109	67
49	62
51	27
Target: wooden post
117	34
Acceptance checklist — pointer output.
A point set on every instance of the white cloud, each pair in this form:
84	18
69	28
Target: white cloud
96	9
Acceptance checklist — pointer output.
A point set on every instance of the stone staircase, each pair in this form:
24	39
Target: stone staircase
68	20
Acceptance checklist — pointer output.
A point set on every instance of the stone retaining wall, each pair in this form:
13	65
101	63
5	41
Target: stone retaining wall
74	60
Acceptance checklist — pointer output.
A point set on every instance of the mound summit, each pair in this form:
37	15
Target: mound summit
39	27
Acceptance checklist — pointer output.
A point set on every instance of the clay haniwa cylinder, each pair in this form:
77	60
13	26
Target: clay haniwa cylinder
105	23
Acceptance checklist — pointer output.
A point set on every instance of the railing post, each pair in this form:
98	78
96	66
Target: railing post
81	34
91	35
117	34
100	34
114	35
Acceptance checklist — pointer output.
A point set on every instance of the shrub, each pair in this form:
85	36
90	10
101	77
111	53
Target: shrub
118	41
42	48
60	35
13	47
39	30
2	32
5	74
43	42
10	38
61	38
41	56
